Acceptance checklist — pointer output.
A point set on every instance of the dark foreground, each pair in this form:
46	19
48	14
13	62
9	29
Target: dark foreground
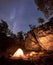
47	60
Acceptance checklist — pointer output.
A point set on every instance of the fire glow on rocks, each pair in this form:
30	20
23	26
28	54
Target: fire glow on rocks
19	54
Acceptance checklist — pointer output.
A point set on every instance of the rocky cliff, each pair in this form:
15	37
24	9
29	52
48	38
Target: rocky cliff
41	37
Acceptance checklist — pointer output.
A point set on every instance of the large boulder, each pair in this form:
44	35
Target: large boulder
47	42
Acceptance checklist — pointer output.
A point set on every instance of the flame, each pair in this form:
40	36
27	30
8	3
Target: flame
32	53
19	53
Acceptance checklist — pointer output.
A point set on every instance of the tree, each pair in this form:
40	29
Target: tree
7	38
20	35
3	27
46	6
41	20
32	27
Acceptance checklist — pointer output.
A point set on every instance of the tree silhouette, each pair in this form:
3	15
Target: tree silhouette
3	27
41	20
46	6
5	40
32	27
20	35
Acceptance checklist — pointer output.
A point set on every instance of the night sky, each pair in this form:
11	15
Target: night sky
19	14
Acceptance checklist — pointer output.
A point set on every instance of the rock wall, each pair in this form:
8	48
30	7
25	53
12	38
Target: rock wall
46	42
31	43
44	36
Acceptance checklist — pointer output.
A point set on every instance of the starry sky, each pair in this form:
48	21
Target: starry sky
19	14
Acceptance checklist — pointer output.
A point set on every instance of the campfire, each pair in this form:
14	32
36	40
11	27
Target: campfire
19	54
